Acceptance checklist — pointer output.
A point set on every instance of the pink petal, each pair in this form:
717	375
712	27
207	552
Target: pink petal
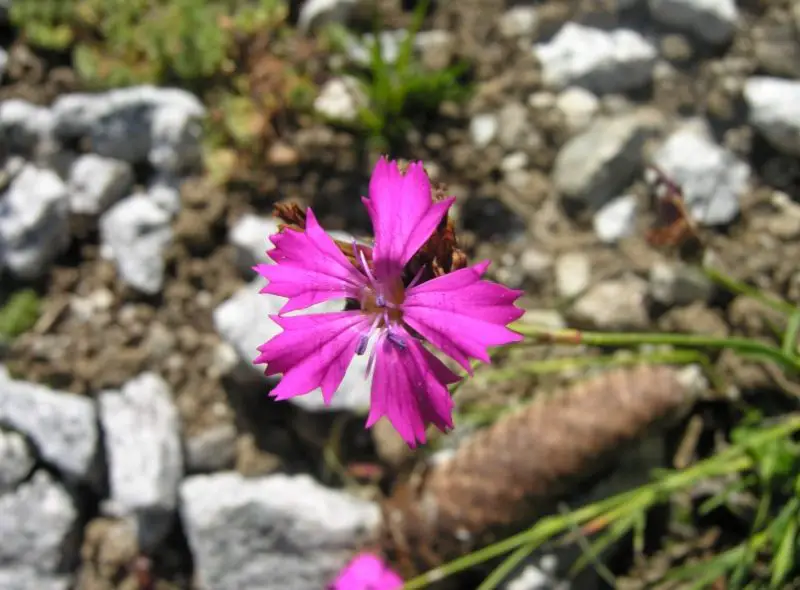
309	268
409	387
367	572
313	351
402	212
462	315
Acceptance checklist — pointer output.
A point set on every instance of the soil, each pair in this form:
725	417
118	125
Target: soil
95	334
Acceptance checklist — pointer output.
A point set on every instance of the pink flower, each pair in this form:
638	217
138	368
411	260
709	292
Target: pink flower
458	313
366	572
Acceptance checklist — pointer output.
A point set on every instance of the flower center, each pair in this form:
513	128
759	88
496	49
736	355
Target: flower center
383	301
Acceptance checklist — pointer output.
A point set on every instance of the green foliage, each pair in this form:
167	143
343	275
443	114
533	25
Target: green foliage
123	42
19	313
403	93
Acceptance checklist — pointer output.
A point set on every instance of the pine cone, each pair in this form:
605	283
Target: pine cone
513	472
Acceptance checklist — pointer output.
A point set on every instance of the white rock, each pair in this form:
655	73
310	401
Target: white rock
598	60
613	305
243	322
142	438
616	219
578	105
711	20
250	237
34	222
165	191
340	99
573	274
27	578
359	47
271	533
176	137
672	284
600	162
774	109
536	264
316	13
62	426
39	526
136	232
483	129
95	183
16	459
136	124
23	125
712	178
514	131
519	21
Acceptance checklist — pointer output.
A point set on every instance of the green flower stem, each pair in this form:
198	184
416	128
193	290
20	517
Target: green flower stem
740	288
735	459
744	346
677	357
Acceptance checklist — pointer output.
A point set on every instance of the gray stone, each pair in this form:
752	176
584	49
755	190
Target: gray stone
165	191
39	526
25	578
34	222
161	126
536	264
211	450
616	219
141	429
271	533
573	274
16	459
24	125
95	183
513	129
314	14
62	426
678	284
713	21
613	305
598	164
249	236
483	129
519	21
135	234
243	322
3	62
712	178
598	60
579	107
774	110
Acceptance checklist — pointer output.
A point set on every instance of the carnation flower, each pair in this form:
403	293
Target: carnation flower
458	313
367	572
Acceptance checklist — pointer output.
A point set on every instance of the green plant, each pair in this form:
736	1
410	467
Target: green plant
122	42
19	313
402	93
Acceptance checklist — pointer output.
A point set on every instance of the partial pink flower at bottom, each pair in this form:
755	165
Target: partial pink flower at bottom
458	313
366	572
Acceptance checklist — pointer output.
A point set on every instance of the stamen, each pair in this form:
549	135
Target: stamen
417	277
380	300
365	267
361	348
398	341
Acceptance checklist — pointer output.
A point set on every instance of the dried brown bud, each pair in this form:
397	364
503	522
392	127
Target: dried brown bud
513	472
